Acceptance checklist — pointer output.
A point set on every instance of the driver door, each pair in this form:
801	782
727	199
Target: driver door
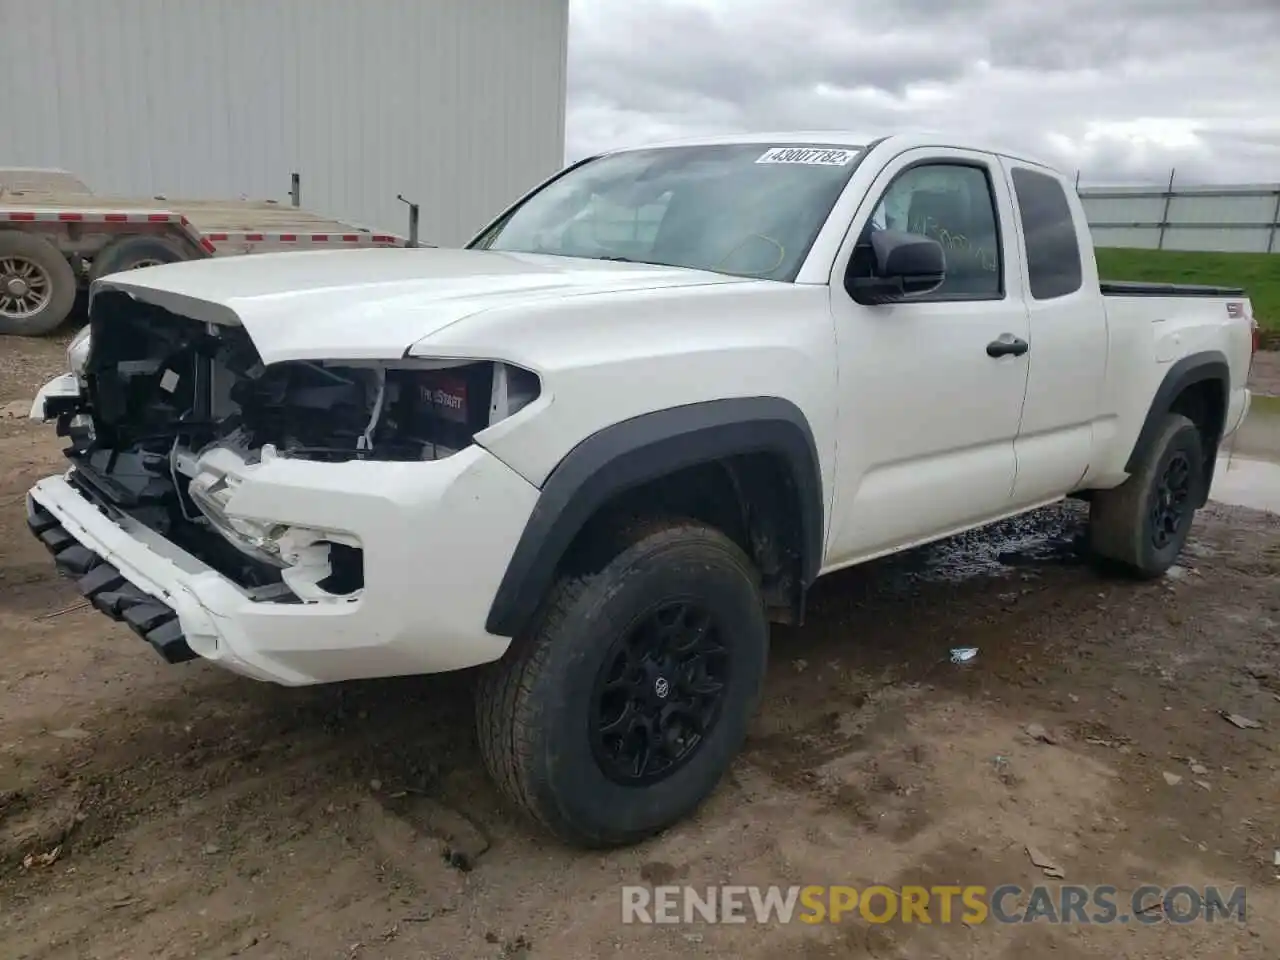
927	416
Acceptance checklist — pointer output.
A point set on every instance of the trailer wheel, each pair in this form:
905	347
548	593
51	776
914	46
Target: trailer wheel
130	253
37	285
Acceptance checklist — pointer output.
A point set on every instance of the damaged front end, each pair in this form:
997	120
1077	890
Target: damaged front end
175	416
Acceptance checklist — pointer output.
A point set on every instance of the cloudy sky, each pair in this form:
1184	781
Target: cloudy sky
1120	89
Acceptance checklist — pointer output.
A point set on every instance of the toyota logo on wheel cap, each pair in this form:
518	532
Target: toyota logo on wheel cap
661	687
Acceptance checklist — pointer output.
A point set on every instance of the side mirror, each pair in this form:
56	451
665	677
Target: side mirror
903	265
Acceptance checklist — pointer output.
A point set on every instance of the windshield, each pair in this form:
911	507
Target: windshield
746	209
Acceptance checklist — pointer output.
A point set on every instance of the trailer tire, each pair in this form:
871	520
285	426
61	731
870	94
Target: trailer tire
37	285
130	253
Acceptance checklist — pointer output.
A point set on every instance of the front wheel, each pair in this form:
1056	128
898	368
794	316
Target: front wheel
1143	524
619	715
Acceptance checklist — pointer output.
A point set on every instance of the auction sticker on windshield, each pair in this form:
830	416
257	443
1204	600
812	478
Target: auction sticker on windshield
819	156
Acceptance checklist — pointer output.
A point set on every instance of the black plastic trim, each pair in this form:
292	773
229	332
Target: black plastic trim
107	588
642	449
1196	368
1131	288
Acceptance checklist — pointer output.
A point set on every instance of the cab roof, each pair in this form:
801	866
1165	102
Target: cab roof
846	138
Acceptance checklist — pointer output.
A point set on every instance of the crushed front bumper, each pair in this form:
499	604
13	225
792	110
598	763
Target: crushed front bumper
437	537
108	589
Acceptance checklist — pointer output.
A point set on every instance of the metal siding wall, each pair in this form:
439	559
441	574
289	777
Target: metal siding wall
1123	237
1209	238
1122	209
457	104
1189	208
1235	219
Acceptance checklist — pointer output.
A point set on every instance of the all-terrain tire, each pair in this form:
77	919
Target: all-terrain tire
130	253
46	282
536	707
1125	523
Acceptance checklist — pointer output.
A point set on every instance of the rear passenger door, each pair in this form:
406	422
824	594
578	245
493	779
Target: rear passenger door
1068	336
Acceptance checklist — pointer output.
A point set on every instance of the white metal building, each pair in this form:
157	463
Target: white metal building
456	104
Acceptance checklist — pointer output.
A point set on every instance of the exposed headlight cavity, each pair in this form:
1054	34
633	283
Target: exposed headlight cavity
413	410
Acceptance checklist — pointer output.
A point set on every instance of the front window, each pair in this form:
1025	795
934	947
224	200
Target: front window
954	204
749	209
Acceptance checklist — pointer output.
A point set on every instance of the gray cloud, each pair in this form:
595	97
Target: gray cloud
1122	89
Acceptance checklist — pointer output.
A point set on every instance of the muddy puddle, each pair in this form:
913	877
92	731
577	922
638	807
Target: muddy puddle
1049	537
1246	482
1248	473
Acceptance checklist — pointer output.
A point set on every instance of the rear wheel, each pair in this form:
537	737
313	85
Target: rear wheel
1143	524
37	285
130	253
619	715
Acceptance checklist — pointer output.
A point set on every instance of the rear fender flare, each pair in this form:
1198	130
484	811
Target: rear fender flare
644	448
1196	368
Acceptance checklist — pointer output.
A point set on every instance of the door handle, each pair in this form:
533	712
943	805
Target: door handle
1007	345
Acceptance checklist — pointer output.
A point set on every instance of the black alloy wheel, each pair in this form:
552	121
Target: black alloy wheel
658	694
1171	503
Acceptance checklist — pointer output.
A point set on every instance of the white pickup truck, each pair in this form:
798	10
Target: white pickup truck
597	451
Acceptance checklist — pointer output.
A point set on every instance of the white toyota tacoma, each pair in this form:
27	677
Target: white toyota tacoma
597	451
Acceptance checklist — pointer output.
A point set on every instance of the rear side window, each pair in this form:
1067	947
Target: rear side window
1053	253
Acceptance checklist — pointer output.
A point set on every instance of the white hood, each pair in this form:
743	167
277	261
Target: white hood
374	303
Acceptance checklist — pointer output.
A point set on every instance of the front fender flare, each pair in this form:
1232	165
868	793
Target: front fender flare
644	448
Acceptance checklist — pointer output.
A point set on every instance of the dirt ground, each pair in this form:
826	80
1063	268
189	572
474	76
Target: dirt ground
157	811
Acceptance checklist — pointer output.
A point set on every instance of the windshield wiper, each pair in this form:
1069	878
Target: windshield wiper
652	263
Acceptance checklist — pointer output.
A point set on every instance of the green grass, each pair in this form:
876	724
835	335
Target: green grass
1258	273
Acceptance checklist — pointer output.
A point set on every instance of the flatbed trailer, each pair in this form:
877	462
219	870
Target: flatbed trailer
57	237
